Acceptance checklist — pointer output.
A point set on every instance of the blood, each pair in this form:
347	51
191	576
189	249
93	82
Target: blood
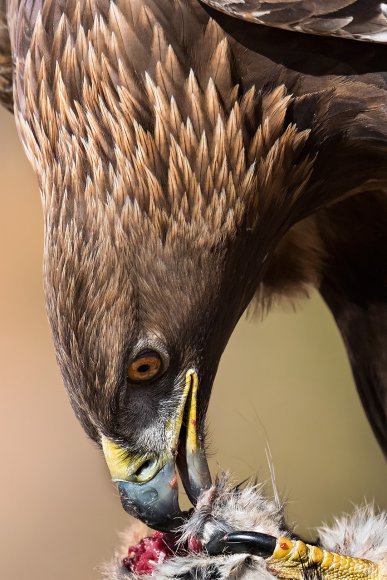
195	545
173	481
154	550
150	552
284	546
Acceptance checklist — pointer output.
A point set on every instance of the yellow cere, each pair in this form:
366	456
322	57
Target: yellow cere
116	459
292	559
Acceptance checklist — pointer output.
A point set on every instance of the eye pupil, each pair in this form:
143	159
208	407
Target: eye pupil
143	368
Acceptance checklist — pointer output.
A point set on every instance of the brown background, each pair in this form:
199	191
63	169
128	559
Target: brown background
284	382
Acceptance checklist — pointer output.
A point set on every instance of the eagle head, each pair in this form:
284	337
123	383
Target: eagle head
142	296
142	301
146	274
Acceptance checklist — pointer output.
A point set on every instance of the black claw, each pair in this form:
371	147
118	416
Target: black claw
252	543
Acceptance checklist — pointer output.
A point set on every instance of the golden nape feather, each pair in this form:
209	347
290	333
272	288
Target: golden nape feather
181	142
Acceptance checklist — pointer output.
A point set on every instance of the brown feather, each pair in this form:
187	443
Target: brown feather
181	155
354	19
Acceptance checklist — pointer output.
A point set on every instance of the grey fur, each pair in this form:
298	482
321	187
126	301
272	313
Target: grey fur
362	534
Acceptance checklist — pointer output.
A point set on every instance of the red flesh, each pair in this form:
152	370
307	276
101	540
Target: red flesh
152	551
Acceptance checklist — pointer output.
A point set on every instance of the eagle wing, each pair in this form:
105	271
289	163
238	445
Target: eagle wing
354	287
356	19
6	97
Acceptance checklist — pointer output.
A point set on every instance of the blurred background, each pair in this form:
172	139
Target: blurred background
283	383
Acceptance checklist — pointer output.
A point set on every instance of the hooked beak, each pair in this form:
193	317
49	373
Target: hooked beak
148	484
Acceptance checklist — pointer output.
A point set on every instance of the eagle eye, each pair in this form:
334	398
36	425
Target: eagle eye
145	367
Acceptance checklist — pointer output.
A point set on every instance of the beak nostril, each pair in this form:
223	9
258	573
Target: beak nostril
146	470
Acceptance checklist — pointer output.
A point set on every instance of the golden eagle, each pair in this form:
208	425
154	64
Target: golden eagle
192	160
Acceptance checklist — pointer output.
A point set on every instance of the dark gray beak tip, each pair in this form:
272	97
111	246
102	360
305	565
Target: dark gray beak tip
155	502
194	473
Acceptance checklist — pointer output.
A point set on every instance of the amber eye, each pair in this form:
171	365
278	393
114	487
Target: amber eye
145	367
